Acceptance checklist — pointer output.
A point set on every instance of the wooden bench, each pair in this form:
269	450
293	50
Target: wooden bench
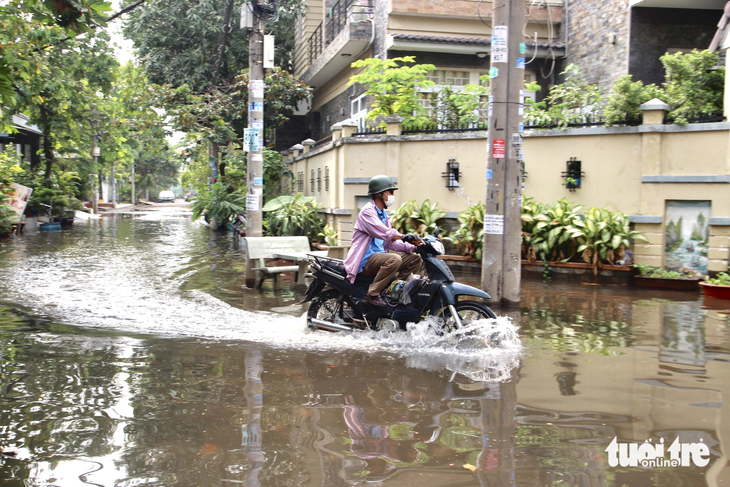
258	249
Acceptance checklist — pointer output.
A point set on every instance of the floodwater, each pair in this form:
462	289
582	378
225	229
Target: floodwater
130	355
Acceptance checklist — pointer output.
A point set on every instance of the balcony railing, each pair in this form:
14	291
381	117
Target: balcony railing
315	44
337	18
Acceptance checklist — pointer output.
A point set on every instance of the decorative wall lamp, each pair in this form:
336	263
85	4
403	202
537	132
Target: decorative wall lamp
573	175
452	174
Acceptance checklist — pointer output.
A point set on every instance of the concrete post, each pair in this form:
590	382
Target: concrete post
501	265
393	125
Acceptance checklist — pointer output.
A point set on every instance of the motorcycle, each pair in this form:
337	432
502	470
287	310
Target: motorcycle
338	305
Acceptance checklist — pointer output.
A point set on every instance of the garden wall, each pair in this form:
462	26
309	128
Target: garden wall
640	171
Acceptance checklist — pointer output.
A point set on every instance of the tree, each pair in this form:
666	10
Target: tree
395	86
201	77
694	84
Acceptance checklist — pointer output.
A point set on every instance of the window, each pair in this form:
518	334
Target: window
358	111
300	181
319	179
326	178
311	182
449	77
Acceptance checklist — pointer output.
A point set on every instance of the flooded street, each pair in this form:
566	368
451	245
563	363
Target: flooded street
130	355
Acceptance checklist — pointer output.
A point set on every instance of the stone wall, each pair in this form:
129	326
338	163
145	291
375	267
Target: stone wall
656	30
598	39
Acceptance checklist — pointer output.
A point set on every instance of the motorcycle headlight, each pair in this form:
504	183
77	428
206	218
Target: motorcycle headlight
438	247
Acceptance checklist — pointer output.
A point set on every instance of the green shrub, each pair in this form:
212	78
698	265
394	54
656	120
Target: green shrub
220	203
469	237
294	216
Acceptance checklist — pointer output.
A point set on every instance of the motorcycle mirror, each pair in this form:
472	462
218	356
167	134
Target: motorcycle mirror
436	232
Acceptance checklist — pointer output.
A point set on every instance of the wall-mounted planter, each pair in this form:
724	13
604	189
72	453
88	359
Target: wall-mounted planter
665	283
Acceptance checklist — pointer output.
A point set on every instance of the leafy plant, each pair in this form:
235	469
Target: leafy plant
294	215
469	236
403	218
394	87
694	84
604	236
627	97
330	236
650	271
219	203
411	218
548	232
573	101
722	279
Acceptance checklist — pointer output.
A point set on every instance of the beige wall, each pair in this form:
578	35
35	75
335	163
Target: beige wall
614	161
612	166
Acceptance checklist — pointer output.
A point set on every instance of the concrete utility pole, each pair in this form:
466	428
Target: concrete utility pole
502	222
255	176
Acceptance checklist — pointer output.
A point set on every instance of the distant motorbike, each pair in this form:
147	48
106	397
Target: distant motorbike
338	305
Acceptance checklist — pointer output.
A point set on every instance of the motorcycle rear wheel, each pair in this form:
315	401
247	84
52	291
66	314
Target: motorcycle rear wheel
334	307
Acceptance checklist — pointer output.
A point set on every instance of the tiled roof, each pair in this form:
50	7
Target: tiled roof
468	40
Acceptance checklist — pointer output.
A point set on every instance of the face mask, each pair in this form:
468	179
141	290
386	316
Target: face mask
389	200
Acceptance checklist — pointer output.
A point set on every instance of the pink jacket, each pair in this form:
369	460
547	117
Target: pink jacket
367	226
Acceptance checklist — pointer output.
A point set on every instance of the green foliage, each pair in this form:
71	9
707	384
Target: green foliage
573	101
623	104
330	236
722	279
650	271
9	170
275	171
219	203
604	237
412	218
694	84
548	232
394	87
469	237
294	215
557	233
454	107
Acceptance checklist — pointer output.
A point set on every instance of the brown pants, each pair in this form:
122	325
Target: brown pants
384	265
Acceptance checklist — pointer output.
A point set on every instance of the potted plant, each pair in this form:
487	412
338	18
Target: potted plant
718	287
655	277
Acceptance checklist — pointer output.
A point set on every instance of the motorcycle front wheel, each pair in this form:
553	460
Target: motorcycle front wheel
335	309
468	311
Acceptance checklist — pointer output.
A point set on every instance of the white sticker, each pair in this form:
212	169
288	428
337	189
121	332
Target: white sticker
494	224
257	158
499	44
252	202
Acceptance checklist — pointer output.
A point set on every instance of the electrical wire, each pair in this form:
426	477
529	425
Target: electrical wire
479	13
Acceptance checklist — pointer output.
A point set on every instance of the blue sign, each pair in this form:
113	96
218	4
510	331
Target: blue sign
258	181
520	63
489	174
256	106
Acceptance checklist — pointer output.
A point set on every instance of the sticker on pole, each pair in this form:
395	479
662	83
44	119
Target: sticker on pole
499	44
252	202
498	147
250	140
494	224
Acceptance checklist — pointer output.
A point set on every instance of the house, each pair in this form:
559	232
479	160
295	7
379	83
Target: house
454	36
26	139
605	38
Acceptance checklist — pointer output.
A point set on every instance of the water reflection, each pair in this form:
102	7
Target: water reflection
129	355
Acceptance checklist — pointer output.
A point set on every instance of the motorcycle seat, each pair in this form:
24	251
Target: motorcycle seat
334	265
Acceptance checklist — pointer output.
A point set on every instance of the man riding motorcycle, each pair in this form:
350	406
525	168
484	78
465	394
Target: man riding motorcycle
373	240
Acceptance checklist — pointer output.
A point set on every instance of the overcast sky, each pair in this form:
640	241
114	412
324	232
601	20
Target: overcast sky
123	46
